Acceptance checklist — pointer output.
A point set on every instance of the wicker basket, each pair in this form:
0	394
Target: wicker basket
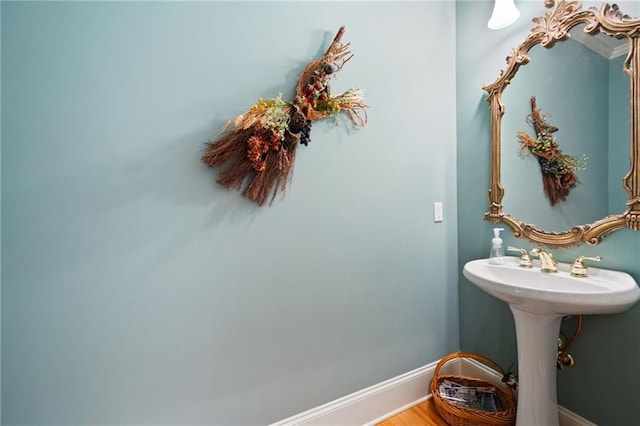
456	415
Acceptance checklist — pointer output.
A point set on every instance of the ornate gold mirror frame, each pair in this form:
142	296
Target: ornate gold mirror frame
554	26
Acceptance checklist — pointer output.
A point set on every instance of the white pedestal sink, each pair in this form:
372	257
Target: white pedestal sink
538	301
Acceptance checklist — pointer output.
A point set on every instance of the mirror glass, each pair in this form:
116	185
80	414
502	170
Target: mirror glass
585	94
581	67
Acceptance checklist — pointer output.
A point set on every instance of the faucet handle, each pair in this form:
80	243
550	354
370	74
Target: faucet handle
525	260
579	269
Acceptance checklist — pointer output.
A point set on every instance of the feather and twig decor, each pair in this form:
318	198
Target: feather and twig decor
558	169
256	152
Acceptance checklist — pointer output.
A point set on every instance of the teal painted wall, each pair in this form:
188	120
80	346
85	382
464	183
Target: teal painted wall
0	224
609	346
136	291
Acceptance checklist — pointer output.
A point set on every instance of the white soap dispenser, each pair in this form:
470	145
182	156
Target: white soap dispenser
497	252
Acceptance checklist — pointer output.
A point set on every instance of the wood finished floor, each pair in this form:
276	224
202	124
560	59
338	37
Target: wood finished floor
423	414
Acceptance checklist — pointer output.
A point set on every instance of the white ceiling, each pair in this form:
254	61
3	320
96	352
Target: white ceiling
607	46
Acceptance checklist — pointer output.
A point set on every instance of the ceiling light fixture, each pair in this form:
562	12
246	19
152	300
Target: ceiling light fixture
504	14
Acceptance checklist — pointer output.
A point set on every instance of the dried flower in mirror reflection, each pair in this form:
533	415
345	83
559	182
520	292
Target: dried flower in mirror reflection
558	169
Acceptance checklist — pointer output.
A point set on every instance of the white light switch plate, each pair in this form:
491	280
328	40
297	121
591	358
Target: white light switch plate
437	211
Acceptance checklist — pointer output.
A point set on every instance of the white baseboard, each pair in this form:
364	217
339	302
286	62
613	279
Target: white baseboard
363	407
569	418
376	403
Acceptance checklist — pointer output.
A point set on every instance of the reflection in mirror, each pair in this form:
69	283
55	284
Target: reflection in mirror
587	84
585	95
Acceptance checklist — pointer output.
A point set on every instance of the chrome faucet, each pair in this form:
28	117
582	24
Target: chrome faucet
547	262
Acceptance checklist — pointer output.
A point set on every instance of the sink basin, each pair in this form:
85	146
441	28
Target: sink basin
603	291
539	301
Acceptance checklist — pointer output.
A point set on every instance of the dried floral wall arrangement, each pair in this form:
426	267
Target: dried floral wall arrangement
257	153
558	169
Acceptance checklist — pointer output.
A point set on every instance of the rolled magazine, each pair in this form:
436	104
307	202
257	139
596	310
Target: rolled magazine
475	397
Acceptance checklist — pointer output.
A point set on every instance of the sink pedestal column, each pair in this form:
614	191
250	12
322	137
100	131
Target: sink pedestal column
537	337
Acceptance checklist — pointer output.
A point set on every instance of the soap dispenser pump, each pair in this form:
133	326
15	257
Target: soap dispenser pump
497	251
